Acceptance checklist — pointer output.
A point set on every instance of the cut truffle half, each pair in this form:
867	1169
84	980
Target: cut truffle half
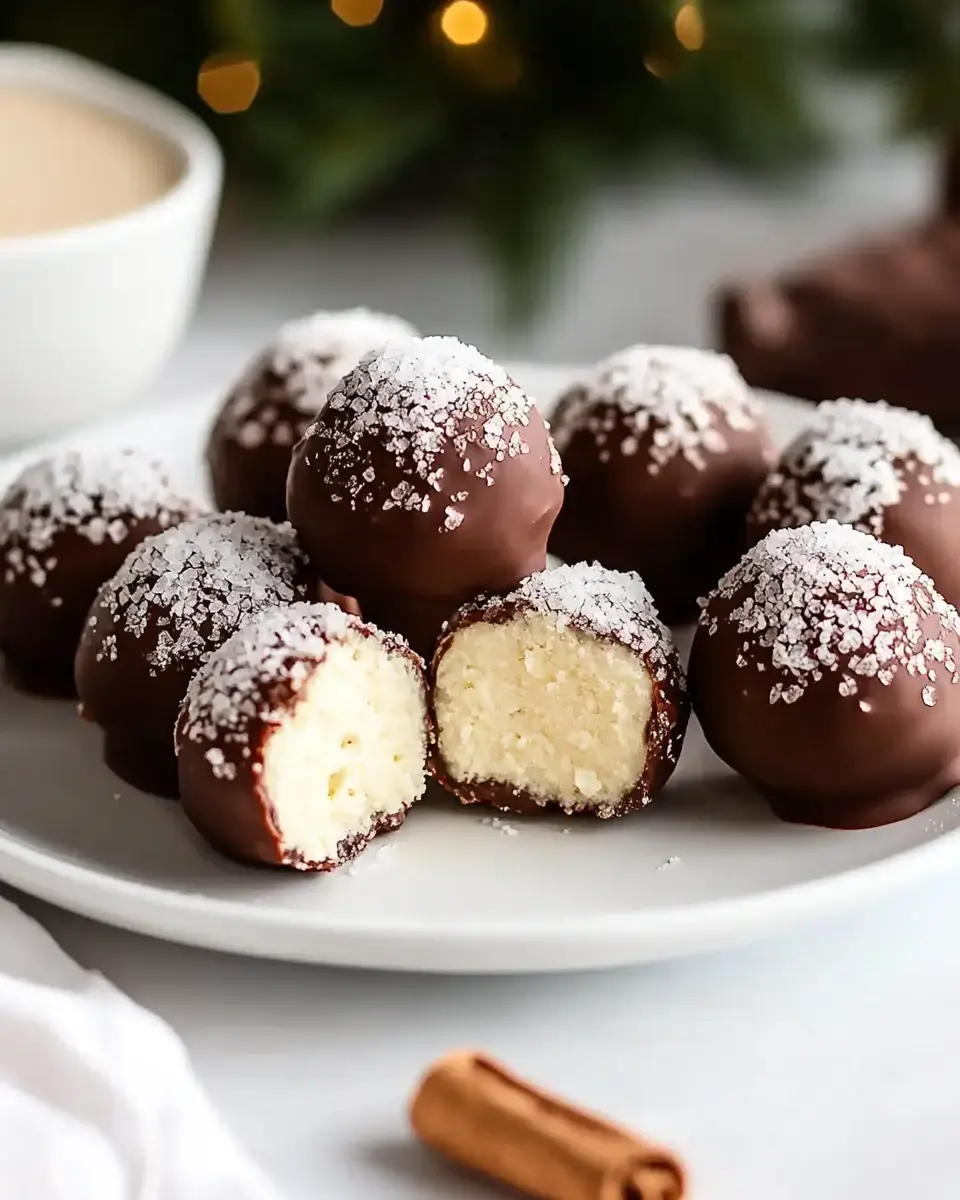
302	738
567	693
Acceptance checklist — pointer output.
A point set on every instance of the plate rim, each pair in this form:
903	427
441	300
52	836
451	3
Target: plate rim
616	938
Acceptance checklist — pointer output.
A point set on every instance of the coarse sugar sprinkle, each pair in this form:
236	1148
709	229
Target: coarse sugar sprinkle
828	598
853	462
673	392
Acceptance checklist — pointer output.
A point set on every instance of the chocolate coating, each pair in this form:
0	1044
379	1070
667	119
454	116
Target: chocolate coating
271	406
884	470
66	525
613	608
878	319
178	597
326	595
664	449
428	478
239	698
825	670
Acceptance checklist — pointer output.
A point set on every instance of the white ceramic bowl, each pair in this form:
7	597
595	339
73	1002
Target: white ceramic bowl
89	314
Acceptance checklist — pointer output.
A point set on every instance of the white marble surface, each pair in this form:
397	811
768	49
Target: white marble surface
820	1065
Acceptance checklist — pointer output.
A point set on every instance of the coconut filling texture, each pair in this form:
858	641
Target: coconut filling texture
544	707
351	752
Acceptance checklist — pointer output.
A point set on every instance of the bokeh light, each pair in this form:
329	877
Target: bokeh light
228	82
464	22
688	26
357	12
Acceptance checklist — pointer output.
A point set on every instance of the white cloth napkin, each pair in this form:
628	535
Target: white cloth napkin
97	1097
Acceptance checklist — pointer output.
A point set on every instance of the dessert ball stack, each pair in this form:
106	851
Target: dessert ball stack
884	470
302	738
665	448
423	488
567	693
428	477
279	395
176	598
66	525
825	671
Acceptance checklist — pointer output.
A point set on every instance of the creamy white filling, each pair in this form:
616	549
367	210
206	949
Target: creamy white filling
353	748
543	707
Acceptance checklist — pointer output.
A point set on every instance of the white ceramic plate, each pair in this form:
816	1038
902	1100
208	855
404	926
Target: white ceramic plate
454	890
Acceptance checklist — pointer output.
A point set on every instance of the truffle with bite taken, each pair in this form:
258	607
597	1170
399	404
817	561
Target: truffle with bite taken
303	738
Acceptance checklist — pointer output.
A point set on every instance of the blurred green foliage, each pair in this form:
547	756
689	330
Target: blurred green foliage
514	131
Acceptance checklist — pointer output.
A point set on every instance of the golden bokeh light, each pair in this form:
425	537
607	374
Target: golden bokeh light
688	26
356	12
228	82
464	22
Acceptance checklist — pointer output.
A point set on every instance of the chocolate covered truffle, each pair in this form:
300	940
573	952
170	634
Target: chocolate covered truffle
176	598
884	470
302	738
278	396
567	693
825	670
429	477
665	448
66	524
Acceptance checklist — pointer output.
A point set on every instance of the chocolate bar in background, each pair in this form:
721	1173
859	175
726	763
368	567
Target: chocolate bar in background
878	320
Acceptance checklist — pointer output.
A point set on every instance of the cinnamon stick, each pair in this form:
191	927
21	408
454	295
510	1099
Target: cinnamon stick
475	1112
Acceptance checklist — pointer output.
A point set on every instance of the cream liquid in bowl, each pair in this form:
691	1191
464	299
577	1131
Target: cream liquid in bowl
65	162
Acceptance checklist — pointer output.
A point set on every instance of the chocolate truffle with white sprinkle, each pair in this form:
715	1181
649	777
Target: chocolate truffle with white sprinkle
429	477
66	524
278	396
303	738
567	694
665	448
176	598
825	670
884	470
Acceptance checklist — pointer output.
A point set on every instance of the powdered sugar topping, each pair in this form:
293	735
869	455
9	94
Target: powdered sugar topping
411	402
827	599
100	496
673	392
285	387
608	604
253	675
194	585
854	461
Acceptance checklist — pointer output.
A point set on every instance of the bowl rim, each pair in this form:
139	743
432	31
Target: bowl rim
67	74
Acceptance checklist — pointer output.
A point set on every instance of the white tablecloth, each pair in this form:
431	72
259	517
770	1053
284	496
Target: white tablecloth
97	1098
